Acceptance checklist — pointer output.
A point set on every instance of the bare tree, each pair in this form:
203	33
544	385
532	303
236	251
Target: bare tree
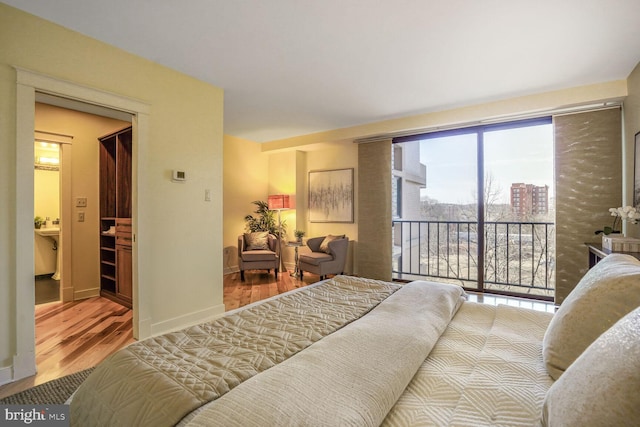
518	254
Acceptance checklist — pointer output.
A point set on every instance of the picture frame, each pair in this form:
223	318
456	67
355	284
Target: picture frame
331	195
636	171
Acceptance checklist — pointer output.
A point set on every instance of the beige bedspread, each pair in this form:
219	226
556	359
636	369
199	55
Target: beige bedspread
158	381
352	377
486	370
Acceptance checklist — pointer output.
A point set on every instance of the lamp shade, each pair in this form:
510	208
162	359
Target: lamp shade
279	202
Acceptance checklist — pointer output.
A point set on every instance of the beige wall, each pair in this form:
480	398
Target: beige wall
85	129
252	174
631	127
245	179
178	251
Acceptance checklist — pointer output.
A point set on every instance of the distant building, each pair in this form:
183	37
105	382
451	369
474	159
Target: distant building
529	199
409	176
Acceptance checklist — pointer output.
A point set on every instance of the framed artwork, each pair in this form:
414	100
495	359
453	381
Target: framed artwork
636	171
331	195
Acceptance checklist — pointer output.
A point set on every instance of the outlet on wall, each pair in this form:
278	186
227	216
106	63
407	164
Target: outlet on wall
81	202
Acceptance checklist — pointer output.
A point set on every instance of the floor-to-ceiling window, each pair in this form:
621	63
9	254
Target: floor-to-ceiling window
477	207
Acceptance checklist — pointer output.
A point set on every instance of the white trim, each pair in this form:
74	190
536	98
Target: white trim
24	363
66	212
187	320
229	270
86	293
58	138
66	89
6	375
503	118
28	82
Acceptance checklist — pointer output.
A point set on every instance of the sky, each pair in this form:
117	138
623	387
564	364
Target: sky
512	155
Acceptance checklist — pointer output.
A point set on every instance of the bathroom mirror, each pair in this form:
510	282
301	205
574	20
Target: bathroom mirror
47	156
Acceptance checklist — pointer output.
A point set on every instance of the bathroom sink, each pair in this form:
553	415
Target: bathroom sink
48	232
52	233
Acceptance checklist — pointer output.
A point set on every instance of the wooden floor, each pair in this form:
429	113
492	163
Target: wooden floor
77	335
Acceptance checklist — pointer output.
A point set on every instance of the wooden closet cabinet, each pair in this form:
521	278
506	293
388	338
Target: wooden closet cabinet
115	217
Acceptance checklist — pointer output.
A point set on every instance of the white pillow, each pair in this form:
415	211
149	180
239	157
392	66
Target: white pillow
608	291
602	387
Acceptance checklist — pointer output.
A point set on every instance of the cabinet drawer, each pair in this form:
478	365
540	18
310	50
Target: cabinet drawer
124	239
123	224
123	232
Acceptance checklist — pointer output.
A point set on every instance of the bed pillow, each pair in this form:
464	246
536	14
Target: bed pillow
324	246
258	240
608	291
601	387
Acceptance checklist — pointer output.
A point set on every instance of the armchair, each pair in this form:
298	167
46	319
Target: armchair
328	256
258	251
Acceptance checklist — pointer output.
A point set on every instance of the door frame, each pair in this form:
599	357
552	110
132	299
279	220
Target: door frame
27	84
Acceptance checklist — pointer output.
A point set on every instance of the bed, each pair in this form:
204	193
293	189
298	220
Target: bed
361	352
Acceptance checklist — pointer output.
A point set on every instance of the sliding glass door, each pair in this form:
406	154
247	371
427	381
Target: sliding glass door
474	206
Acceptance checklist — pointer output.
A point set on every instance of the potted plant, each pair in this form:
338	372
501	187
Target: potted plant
37	222
299	235
624	213
264	220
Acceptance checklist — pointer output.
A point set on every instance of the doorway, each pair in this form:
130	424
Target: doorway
30	84
47	198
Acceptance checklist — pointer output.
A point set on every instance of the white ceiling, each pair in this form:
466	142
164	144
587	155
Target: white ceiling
293	67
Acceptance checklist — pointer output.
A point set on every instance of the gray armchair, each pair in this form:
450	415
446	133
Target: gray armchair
260	254
328	258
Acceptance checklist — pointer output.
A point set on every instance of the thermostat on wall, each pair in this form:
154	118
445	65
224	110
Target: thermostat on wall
178	175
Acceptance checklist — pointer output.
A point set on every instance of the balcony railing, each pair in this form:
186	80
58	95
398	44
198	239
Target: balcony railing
518	257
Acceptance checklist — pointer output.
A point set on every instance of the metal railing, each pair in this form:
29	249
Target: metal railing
518	257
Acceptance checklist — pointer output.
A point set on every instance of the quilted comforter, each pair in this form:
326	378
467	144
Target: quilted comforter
347	351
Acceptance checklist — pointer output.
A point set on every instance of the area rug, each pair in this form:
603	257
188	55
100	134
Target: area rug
54	392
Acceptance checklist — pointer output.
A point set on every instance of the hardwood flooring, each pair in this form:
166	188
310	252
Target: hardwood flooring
259	285
77	335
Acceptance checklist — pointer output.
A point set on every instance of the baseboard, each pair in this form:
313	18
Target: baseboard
87	293
229	270
24	365
6	375
67	294
190	319
143	329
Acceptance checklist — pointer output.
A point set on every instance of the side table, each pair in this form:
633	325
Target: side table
597	252
296	245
